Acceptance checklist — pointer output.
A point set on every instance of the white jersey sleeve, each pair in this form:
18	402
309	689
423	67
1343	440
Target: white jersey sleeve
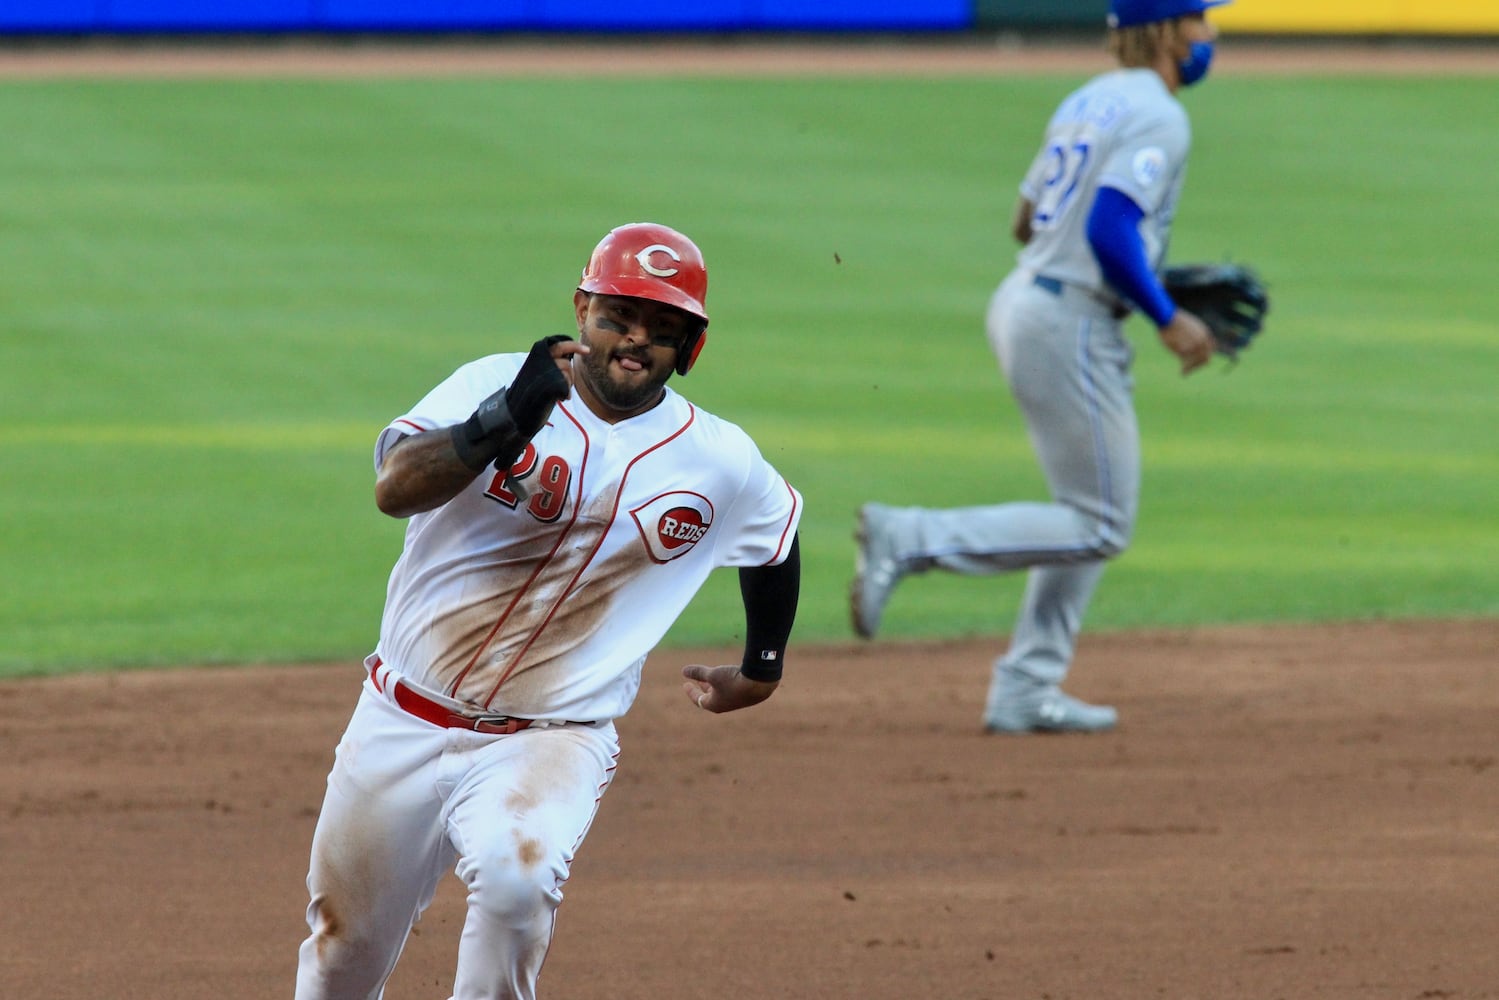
758	525
452	401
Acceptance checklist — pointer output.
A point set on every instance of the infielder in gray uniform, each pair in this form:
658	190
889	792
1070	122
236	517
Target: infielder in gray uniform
1094	216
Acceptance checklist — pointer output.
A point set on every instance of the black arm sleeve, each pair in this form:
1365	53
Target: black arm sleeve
770	594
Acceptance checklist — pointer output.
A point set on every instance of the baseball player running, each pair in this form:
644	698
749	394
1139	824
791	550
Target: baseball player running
1094	216
564	506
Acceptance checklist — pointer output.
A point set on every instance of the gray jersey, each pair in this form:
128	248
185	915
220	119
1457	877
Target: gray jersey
1122	130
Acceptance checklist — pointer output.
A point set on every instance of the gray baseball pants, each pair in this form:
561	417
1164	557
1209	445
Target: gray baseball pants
1067	363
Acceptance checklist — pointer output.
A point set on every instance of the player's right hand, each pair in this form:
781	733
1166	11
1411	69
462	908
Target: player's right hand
542	382
1189	339
563	349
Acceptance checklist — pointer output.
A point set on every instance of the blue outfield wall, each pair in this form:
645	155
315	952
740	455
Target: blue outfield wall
226	16
48	15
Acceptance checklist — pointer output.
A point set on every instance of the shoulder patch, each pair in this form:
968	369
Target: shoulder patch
672	523
1149	165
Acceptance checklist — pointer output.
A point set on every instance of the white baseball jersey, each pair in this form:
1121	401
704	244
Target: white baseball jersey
1123	130
539	595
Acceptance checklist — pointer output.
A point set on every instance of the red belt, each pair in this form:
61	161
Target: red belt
427	710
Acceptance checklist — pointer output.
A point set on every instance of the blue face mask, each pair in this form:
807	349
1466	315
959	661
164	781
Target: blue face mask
1195	67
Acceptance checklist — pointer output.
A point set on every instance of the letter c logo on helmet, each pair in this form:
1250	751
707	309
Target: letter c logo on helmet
646	260
644	257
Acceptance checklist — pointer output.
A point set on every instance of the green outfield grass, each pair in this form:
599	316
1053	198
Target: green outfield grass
213	294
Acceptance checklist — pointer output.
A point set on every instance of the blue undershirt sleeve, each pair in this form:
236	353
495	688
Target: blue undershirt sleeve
1114	235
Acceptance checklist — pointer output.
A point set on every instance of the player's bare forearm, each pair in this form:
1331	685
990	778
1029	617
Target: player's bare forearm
1020	221
420	473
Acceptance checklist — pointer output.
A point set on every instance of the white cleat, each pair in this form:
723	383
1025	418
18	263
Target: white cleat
877	569
1046	709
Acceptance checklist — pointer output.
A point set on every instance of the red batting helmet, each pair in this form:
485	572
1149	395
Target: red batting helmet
644	260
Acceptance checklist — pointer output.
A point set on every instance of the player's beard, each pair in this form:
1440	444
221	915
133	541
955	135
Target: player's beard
627	395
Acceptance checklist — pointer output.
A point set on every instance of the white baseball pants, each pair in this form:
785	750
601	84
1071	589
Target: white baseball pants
407	800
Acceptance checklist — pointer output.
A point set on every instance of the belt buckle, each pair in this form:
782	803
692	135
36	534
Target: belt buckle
501	725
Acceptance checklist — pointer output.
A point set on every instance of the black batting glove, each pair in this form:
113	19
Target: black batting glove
498	430
538	387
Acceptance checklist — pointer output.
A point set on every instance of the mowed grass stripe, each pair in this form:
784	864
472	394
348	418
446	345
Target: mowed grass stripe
213	294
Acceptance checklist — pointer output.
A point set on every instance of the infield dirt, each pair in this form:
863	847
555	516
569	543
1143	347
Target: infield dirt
1283	813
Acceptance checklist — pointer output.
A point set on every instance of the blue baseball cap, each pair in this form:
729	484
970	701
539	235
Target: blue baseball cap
1128	13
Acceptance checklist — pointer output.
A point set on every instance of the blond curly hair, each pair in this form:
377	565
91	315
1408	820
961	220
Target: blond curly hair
1142	44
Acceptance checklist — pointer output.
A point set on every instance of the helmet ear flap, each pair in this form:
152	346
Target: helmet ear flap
690	349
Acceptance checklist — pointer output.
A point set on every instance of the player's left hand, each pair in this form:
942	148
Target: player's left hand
724	688
1189	338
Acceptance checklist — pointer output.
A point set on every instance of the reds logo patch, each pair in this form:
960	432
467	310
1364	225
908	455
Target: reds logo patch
672	523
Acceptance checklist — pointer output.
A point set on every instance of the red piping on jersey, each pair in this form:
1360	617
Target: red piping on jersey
790	519
572	584
504	615
419	428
